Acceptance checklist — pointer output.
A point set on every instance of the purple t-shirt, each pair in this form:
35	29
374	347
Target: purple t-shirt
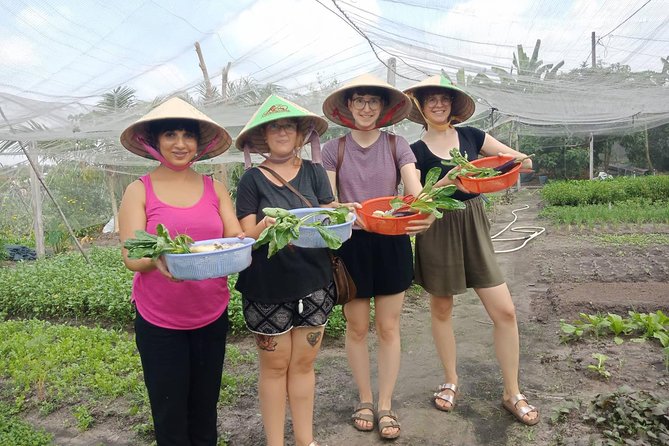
368	172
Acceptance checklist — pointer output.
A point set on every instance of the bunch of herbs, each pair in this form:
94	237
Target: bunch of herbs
430	199
153	246
286	227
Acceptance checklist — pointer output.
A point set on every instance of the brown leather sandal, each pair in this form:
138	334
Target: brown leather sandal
366	417
388	423
520	412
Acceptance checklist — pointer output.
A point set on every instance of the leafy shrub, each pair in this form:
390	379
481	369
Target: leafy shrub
65	287
14	432
584	192
637	416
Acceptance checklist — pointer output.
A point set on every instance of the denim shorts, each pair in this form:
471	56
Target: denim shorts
275	319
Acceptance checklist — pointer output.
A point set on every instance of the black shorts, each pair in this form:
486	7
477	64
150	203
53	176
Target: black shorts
379	264
276	319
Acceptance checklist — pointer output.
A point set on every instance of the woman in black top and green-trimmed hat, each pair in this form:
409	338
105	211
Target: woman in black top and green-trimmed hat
287	298
456	253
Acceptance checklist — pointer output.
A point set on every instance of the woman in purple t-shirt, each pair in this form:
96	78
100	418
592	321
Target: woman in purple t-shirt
180	326
381	265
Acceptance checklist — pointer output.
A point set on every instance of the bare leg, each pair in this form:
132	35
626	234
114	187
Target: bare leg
357	327
497	302
388	310
441	309
274	353
306	343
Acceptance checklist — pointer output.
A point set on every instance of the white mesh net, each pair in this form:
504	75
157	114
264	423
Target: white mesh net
72	77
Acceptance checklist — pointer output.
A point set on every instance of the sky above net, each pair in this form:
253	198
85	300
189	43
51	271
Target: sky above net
58	57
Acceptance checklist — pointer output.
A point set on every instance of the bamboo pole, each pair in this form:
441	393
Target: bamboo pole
36	204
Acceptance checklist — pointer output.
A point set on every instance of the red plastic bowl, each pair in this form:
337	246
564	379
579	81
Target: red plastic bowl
492	184
384	225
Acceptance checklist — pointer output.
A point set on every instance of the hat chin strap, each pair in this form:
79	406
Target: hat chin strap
250	148
158	156
314	142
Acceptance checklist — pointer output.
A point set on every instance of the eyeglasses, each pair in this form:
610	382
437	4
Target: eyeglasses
288	127
360	102
432	101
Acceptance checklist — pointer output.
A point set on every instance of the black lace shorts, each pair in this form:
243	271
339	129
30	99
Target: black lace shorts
276	319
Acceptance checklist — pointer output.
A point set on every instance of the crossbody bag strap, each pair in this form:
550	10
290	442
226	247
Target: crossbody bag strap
287	184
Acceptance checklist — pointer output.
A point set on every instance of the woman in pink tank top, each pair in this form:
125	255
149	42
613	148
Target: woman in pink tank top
181	326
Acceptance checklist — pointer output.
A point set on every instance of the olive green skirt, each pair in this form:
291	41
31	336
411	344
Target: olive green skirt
456	253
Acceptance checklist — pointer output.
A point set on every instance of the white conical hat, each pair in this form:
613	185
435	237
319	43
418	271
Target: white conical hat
177	108
463	105
397	108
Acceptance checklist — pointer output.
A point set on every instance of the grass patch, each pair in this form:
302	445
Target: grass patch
50	367
15	432
641	240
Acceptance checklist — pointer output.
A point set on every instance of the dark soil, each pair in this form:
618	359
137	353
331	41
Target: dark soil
558	275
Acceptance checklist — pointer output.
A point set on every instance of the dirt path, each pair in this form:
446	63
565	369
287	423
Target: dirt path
557	275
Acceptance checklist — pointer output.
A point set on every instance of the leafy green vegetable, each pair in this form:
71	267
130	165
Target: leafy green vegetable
465	168
430	199
153	246
287	227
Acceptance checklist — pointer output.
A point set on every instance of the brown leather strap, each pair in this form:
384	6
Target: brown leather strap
340	159
393	150
287	184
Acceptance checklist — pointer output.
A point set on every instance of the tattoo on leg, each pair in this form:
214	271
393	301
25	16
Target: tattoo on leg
313	338
265	342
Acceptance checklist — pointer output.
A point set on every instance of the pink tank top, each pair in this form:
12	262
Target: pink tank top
192	303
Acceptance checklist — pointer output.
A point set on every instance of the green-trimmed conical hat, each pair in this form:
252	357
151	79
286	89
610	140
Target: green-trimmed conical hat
210	131
275	108
462	107
336	108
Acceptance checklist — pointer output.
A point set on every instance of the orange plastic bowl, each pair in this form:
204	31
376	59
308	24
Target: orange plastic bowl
384	225
492	184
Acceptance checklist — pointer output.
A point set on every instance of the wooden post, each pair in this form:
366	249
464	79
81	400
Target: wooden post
111	187
650	165
392	69
203	67
224	81
36	202
594	44
592	155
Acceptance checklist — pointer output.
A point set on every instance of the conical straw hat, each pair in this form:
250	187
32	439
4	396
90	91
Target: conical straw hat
397	108
463	105
177	108
273	109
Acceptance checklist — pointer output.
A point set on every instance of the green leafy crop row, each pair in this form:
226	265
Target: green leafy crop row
585	192
66	288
